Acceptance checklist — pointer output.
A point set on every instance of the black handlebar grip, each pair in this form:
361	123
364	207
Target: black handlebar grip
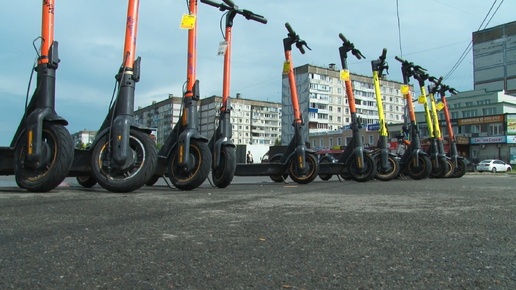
384	54
343	38
229	3
214	4
289	28
453	91
399	59
250	15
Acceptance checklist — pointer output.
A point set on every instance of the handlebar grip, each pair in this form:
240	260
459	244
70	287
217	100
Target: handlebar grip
211	3
343	38
384	54
289	28
453	91
399	59
251	16
229	3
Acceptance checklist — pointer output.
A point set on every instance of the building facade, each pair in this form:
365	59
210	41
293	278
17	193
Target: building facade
83	138
494	58
324	104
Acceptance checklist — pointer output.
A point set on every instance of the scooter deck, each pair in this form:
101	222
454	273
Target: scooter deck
260	169
6	161
81	163
332	168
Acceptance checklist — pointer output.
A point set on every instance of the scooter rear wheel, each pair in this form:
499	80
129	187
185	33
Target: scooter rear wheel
201	155
310	175
58	149
440	169
277	178
389	174
367	173
223	176
419	168
325	160
86	181
451	168
152	180
132	177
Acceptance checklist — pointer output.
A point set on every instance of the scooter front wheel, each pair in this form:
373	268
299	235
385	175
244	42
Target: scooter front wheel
56	160
310	175
439	168
201	156
223	175
387	174
460	170
366	173
131	177
277	178
86	181
419	167
450	168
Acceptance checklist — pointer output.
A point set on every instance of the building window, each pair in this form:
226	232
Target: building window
488	111
469	113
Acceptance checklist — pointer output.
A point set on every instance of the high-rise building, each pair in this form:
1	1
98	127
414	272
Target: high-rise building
494	58
324	104
253	122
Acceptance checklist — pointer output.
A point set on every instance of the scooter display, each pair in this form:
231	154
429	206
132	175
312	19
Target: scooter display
387	165
185	157
414	162
41	151
221	146
355	162
123	156
297	160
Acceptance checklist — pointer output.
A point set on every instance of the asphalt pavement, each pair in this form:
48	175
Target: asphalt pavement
256	234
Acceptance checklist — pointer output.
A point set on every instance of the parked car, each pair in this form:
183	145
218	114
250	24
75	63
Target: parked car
493	165
470	166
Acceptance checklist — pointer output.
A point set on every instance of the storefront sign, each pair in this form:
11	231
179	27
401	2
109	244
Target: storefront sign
481	120
488	140
462	140
511	139
511	124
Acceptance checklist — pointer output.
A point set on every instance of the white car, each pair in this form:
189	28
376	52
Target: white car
493	165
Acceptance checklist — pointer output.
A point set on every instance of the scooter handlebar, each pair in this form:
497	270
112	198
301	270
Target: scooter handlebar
453	91
252	16
384	54
289	28
229	3
400	59
343	38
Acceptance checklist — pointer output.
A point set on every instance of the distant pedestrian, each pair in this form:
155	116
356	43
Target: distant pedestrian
249	157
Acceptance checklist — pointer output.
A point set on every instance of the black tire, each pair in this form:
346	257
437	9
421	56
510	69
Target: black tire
313	169
451	168
493	170
460	170
131	178
325	177
86	181
386	175
421	170
200	152
58	146
277	178
439	169
152	180
223	176
365	174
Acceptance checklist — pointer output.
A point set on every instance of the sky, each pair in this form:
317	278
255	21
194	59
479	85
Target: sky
434	34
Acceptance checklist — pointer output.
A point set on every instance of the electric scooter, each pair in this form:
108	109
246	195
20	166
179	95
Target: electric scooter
123	156
387	165
435	151
297	161
355	162
414	161
221	146
458	164
41	151
185	157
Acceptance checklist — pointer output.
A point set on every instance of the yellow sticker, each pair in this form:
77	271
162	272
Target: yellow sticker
286	67
344	75
421	100
188	21
439	106
404	89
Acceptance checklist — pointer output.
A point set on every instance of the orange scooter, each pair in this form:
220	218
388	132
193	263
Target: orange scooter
222	148
41	152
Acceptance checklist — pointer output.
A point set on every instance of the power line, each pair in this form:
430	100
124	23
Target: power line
470	45
399	27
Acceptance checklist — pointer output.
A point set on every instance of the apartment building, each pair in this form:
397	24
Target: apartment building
253	121
494	58
83	138
324	104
